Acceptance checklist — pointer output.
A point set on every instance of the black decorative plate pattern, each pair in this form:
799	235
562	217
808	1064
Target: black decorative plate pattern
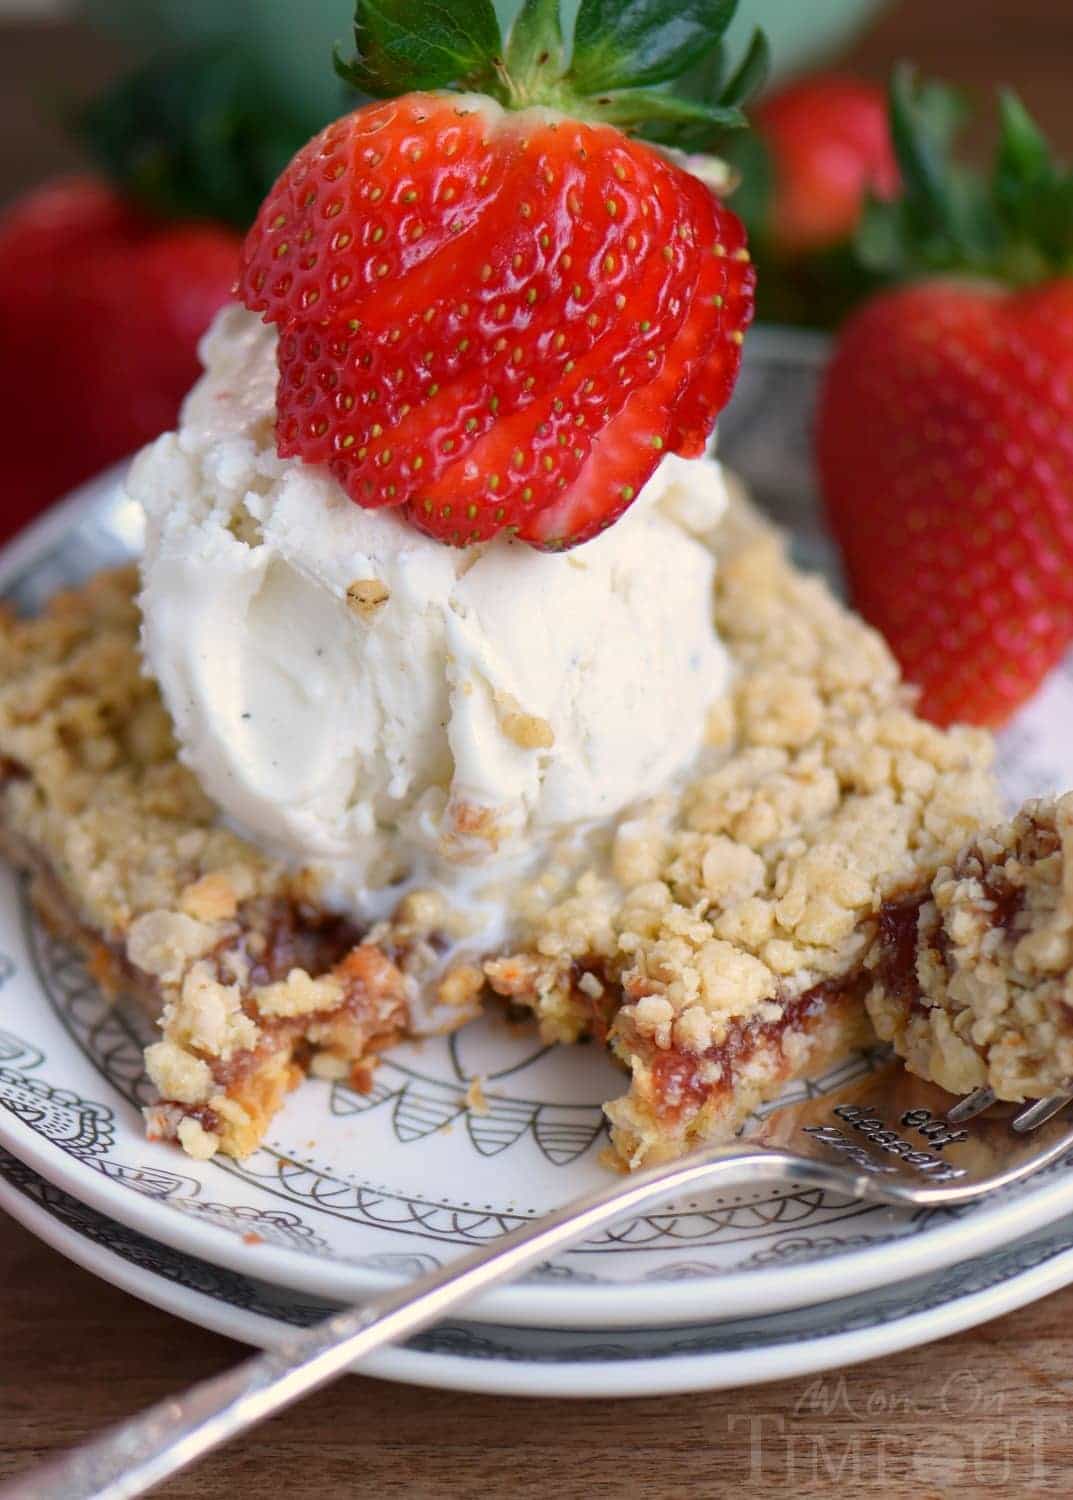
814	1327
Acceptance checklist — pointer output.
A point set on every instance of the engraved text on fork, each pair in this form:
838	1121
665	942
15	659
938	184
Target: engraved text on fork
881	1137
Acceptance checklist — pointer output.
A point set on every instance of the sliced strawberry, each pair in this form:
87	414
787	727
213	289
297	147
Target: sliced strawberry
564	268
675	410
392	403
539	452
367	202
727	284
625	454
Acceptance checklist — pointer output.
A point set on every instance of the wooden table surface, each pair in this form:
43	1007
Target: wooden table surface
987	1411
984	1412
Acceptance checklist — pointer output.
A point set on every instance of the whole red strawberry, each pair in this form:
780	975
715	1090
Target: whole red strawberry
829	146
496	310
945	435
101	309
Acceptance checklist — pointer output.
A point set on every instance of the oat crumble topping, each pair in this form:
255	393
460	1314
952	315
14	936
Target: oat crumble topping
720	947
763	880
367	597
978	991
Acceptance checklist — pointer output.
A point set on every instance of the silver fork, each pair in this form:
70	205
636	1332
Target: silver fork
888	1137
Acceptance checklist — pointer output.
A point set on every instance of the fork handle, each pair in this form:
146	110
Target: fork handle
129	1459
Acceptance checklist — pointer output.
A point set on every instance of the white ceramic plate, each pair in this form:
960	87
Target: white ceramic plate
556	1362
352	1191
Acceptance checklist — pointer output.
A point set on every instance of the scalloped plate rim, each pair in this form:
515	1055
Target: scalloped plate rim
660	1374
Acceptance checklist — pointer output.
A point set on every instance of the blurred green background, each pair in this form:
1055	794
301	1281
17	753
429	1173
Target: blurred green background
56	53
292	38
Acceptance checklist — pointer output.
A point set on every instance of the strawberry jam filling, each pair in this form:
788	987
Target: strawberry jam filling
896	952
372	1008
912	923
289	937
684	1082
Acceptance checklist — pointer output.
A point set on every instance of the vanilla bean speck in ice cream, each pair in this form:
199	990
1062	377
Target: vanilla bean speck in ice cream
378	706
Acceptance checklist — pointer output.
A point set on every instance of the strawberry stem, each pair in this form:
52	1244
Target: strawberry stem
651	67
534	48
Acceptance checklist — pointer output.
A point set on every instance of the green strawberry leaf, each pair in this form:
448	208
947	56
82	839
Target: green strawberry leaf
1015	225
423	44
750	160
654	67
705	84
1023	153
943	218
703	80
751	73
635	110
621	44
924	119
1032	193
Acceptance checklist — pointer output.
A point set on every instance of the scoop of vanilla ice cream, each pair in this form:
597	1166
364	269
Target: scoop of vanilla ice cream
365	700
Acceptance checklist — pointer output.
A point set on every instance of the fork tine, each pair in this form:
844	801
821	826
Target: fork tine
971	1106
1043	1110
